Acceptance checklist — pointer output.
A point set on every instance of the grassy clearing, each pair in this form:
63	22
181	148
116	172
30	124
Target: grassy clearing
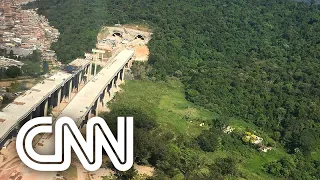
166	100
255	161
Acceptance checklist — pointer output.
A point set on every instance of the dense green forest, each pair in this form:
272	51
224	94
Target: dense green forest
256	61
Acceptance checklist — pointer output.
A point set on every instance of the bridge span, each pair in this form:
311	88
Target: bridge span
94	96
46	98
83	92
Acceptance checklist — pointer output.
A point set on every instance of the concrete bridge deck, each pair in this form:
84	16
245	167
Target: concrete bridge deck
98	88
82	95
23	106
96	93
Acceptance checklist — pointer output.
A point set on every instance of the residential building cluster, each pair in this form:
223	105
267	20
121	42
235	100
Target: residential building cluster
24	30
7	62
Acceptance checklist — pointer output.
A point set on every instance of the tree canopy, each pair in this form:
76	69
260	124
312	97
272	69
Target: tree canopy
255	60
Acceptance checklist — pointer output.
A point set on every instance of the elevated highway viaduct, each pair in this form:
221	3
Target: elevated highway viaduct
45	98
95	95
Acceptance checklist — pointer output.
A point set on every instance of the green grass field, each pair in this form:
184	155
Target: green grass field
167	101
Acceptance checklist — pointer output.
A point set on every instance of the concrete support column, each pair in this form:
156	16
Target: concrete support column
45	110
89	71
130	63
106	95
80	77
108	91
63	92
59	100
122	74
95	69
35	113
86	71
120	77
89	114
38	112
70	91
96	57
113	88
50	100
102	101
98	106
116	83
76	80
17	128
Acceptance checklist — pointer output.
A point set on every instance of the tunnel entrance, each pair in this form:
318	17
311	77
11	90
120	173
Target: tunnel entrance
140	37
119	34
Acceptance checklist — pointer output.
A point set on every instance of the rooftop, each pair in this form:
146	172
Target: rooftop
6	62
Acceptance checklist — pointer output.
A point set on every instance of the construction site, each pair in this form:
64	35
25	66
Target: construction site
79	90
114	39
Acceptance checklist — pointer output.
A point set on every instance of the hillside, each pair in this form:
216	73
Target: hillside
254	63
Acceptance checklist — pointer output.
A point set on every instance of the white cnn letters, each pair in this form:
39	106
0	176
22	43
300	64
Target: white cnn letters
68	137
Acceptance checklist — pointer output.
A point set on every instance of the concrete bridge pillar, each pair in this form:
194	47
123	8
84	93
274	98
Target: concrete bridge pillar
95	63
106	94
130	63
86	75
45	110
17	129
36	112
111	89
26	119
122	74
115	81
118	78
96	57
50	100
89	114
98	106
89	71
95	69
80	77
70	90
75	81
59	100
63	92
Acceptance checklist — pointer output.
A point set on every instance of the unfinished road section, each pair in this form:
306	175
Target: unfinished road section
43	99
93	96
99	90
